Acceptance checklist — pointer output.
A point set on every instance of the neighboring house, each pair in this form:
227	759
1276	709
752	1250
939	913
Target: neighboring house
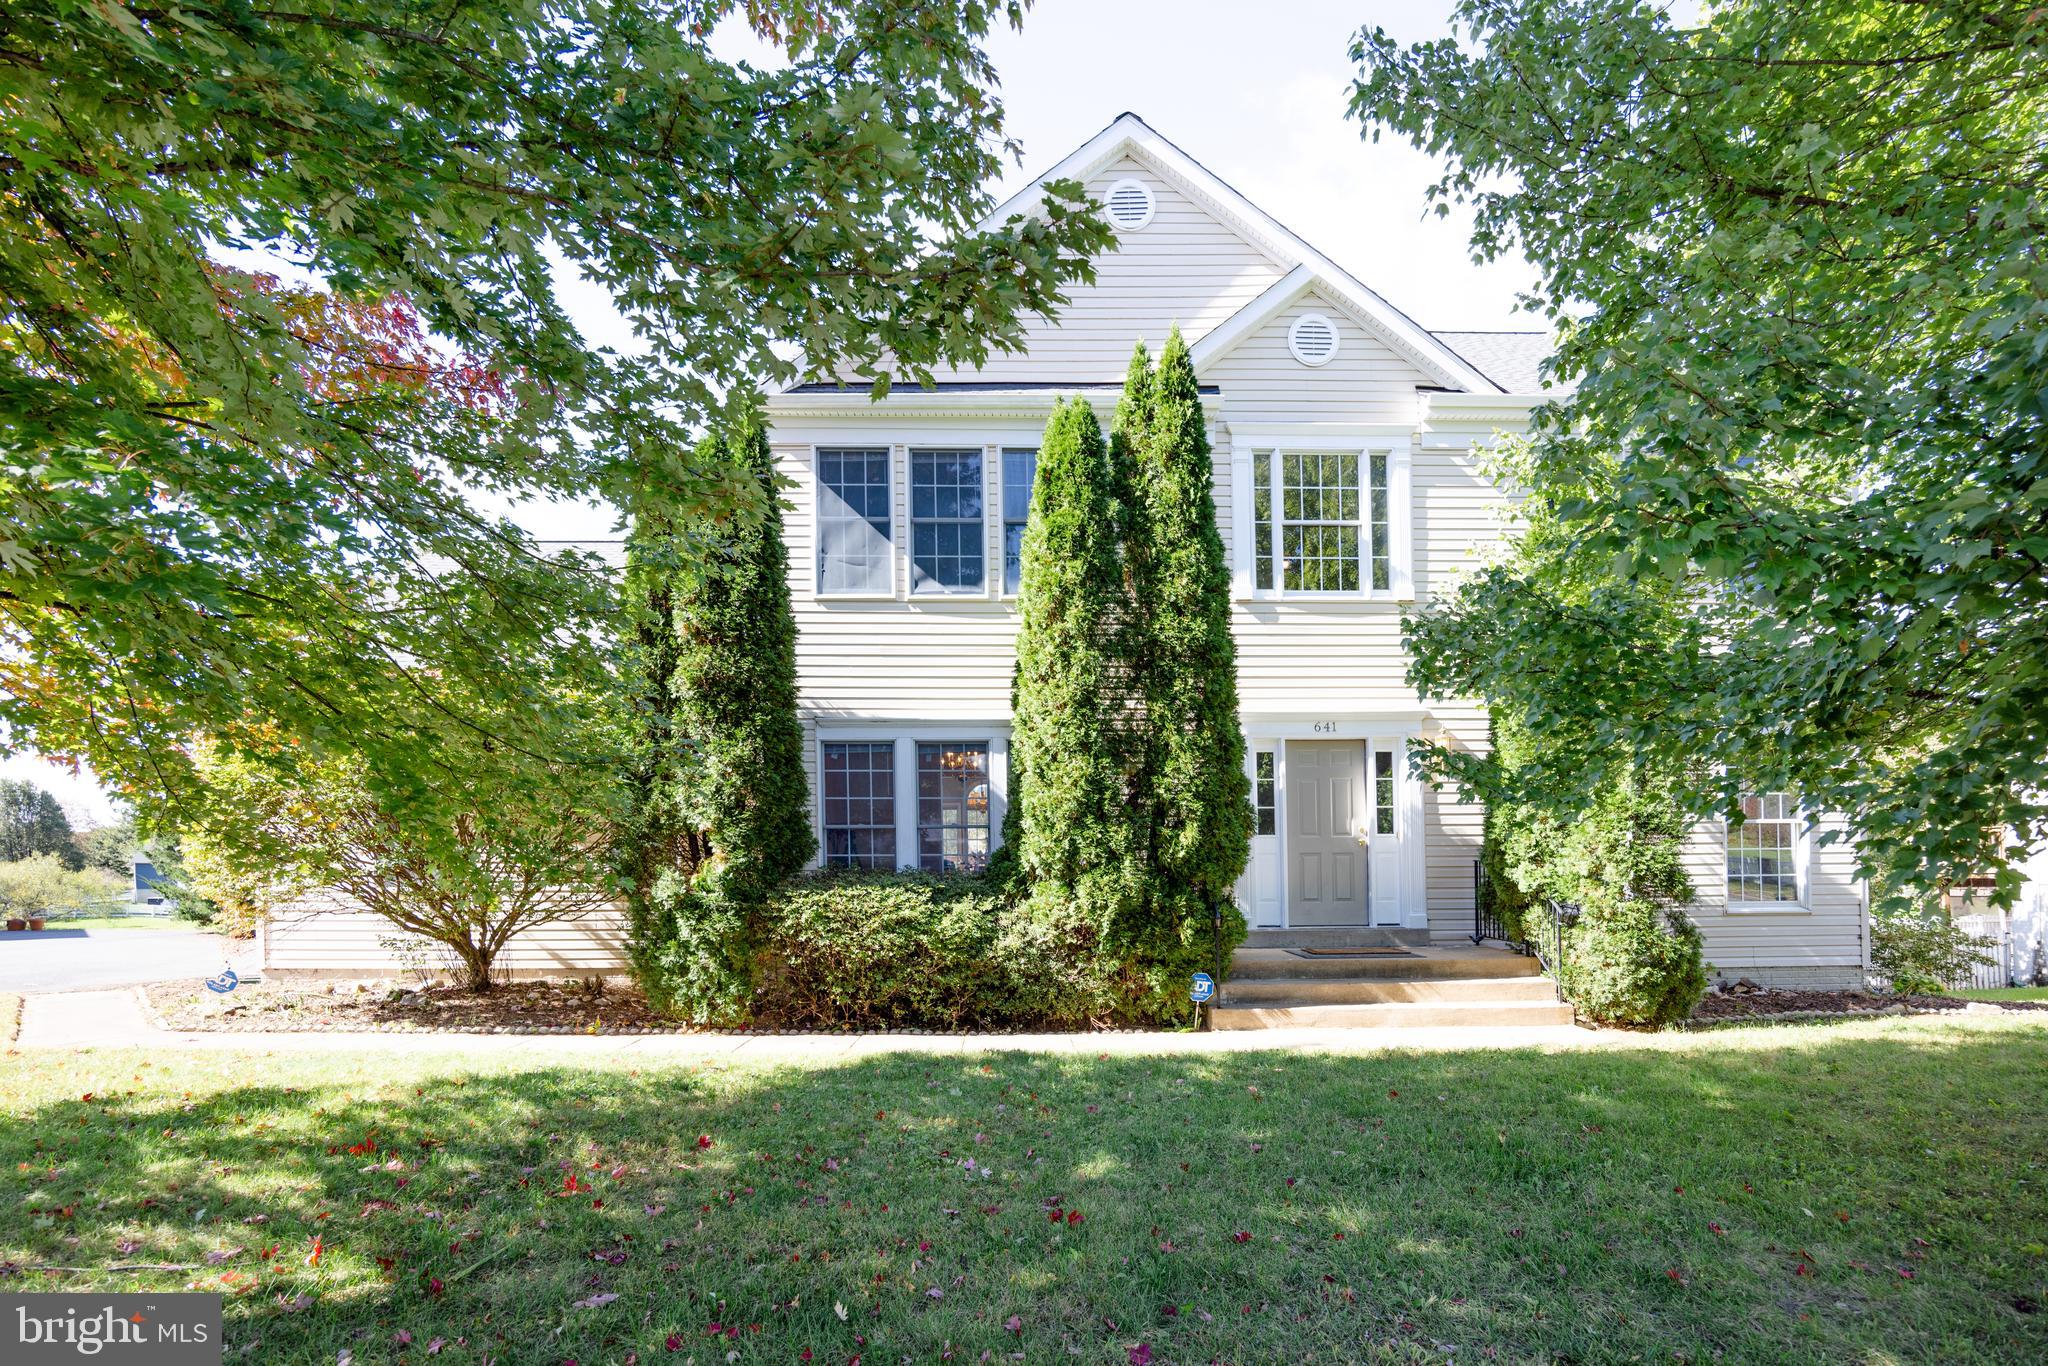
144	888
1348	484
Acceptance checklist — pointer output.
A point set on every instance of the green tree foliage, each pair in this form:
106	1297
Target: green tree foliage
42	885
502	847
1079	850
1133	813
723	813
224	497
1795	254
1068	732
1921	952
31	823
1632	956
1201	797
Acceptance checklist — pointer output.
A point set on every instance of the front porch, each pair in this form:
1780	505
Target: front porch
1374	980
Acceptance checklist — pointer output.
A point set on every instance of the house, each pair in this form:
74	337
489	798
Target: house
1348	483
1348	441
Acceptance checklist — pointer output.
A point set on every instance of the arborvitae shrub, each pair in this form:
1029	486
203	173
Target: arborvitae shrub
722	803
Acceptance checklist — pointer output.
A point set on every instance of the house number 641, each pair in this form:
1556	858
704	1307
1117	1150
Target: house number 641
1326	727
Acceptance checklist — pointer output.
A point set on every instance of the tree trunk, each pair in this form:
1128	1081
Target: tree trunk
476	964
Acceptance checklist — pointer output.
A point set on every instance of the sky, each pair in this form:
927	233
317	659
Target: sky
1259	103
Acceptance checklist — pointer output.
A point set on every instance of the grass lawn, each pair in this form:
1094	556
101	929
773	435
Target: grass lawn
2005	994
1874	1191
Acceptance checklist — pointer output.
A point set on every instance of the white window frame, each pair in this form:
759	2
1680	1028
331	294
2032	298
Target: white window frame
889	451
906	738
1365	443
979	450
1001	487
1802	858
895	803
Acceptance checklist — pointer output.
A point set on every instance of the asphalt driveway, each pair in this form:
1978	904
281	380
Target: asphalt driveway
71	960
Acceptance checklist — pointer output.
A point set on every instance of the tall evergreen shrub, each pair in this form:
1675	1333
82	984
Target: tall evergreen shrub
1076	855
723	816
1192	784
1195	769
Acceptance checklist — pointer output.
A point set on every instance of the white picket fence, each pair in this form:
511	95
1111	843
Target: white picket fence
2016	941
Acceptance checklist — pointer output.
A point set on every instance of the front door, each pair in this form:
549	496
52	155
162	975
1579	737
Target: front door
1326	880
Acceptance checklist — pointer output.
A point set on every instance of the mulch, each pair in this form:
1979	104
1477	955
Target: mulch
1768	1003
404	1007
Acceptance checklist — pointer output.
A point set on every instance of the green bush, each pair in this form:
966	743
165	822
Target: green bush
1923	954
910	949
1633	958
1636	964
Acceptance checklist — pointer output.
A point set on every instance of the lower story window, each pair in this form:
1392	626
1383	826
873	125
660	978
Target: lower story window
952	807
1763	862
859	794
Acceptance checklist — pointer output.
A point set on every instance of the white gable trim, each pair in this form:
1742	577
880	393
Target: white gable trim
1129	133
1297	285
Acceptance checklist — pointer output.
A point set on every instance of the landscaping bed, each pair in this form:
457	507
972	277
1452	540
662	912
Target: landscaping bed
543	1007
1773	1003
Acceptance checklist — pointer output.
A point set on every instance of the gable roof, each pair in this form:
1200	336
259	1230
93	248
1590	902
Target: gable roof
1309	267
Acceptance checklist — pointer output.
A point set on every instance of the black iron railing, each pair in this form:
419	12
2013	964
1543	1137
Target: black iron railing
1547	939
1485	920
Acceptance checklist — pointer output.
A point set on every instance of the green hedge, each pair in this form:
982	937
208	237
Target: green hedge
874	950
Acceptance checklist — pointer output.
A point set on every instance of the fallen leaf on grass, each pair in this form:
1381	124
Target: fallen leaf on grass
596	1301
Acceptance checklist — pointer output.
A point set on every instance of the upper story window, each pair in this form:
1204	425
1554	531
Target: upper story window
853	522
1020	469
1324	522
946	545
1764	852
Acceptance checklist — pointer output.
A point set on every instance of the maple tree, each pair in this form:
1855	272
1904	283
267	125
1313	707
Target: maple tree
221	497
1798	498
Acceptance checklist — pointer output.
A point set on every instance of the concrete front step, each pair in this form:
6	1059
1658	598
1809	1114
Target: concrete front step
1353	938
1255	964
1390	1014
1364	991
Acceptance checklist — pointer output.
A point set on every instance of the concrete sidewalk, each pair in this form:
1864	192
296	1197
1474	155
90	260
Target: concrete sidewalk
116	1019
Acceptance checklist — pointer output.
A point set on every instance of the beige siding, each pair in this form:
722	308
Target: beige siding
1184	267
1365	381
326	936
1827	936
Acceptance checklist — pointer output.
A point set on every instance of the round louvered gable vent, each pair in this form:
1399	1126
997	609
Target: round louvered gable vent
1130	205
1313	339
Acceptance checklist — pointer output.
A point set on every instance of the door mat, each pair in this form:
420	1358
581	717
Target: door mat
1375	951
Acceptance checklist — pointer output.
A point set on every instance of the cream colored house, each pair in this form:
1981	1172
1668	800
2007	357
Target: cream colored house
1348	482
1347	442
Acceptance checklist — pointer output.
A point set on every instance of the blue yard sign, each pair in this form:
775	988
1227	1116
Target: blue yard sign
225	983
1204	988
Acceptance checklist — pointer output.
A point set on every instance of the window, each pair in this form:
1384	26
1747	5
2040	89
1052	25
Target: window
1323	521
1383	791
945	522
853	522
1020	469
952	807
1763	852
1265	793
859	791
1382	522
